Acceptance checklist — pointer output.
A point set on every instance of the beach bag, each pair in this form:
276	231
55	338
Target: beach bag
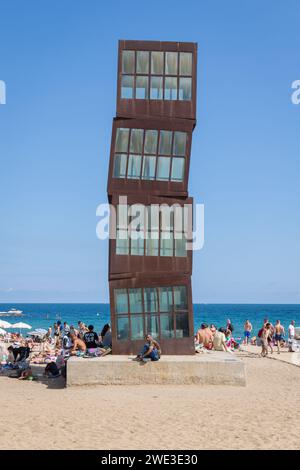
52	368
260	333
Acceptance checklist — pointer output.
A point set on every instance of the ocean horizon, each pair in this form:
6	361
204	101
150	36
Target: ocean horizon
43	315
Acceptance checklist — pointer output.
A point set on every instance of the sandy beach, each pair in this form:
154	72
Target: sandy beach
263	415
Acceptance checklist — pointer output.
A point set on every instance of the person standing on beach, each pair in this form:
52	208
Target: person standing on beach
247	331
279	334
292	330
266	331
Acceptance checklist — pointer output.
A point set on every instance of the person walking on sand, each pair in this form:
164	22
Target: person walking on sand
264	339
247	331
279	334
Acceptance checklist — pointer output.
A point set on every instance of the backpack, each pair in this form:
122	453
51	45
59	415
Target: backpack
52	368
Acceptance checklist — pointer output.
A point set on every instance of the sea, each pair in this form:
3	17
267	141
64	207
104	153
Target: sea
45	315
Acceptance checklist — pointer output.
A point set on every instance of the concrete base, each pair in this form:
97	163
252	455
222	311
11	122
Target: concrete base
213	368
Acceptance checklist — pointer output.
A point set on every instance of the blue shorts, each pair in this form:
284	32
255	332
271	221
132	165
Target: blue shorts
247	334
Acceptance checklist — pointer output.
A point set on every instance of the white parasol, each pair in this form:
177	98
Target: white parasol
5	324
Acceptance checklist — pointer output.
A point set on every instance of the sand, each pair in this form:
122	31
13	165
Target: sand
263	415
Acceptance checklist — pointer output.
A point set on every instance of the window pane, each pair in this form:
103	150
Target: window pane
121	301
127	87
148	168
180	299
182	325
156	90
170	88
151	246
122	242
128	62
134	167
142	62
165	299
179	143
150	300
166	244
177	169
167	326
122	136
157	63
120	166
185	89
136	140
165	142
122	328
137	327
137	246
180	246
151	142
163	168
135	299
185	63
152	325
171	63
141	88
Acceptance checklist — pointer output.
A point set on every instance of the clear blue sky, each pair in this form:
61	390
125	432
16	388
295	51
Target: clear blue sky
59	59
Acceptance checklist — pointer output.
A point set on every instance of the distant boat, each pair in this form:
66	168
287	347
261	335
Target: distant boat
15	312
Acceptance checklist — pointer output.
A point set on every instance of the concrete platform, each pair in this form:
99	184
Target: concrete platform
213	368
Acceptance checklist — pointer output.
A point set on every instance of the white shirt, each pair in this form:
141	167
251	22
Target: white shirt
291	331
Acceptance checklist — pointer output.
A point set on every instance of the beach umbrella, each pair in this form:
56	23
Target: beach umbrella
5	324
2	332
41	331
21	326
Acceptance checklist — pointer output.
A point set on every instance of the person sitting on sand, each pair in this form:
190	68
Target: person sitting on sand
279	333
91	338
204	336
151	350
213	329
247	331
81	329
78	345
219	342
105	337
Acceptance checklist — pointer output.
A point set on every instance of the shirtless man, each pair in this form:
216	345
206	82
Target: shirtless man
204	336
279	333
247	331
78	345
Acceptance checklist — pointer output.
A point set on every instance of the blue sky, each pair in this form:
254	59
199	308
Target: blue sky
58	60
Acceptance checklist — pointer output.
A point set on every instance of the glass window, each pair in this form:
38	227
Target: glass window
127	86
151	245
136	140
128	61
165	299
157	63
134	167
151	142
177	173
150	300
156	90
166	244
165	142
137	246
180	298
170	88
122	136
122	242
171	63
185	89
152	325
163	168
148	172
135	300
167	326
120	166
185	67
121	301
179	143
142	62
182	325
137	327
180	246
141	88
122	328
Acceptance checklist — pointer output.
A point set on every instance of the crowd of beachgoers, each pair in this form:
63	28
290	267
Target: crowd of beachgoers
53	347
